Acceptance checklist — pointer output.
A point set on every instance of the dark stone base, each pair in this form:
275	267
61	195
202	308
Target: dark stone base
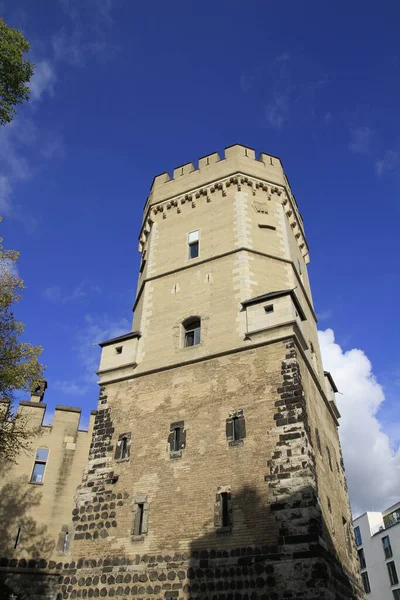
239	574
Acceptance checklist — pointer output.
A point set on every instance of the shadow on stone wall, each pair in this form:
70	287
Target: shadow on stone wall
17	504
303	563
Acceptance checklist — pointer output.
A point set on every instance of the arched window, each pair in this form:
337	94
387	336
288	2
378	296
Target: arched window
191	328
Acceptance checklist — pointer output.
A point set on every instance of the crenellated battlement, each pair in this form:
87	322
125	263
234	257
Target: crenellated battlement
63	415
240	168
237	158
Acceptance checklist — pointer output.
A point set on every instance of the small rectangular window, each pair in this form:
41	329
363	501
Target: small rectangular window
329	458
361	558
387	548
193	242
139	518
269	309
365	580
118	350
236	428
39	466
357	535
391	567
17	537
123	447
225	509
177	439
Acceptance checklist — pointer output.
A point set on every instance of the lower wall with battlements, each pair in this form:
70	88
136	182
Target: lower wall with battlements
37	491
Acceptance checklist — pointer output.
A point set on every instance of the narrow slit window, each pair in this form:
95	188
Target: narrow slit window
66	542
139	518
192	332
124	447
17	537
235	423
225	509
39	466
177	438
193	243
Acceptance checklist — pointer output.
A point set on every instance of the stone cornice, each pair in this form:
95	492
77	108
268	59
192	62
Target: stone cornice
206	191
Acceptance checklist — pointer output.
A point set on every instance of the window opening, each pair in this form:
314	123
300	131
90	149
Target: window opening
361	558
225	509
39	465
192	332
118	350
269	309
392	573
124	447
193	242
387	548
365	580
66	542
177	438
357	535
139	518
17	537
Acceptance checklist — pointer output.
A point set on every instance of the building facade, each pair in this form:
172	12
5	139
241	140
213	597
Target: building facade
215	468
37	496
377	536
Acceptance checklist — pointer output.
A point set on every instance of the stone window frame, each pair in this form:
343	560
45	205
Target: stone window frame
218	510
120	446
173	451
235	435
140	500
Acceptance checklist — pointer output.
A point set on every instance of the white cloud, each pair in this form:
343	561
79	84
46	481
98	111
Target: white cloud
277	112
372	464
389	162
54	293
43	80
360	140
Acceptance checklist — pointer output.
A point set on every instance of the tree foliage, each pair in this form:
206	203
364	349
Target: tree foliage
15	71
19	361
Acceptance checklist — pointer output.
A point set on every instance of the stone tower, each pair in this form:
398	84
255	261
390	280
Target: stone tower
215	468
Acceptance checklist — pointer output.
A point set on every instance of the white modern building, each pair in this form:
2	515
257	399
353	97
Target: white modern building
378	543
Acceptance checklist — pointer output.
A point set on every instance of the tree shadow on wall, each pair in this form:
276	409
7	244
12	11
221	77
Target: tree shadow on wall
269	552
20	535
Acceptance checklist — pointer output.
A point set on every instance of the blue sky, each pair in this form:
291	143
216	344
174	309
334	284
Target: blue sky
125	90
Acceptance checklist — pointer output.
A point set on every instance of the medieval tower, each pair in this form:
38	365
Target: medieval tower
215	469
